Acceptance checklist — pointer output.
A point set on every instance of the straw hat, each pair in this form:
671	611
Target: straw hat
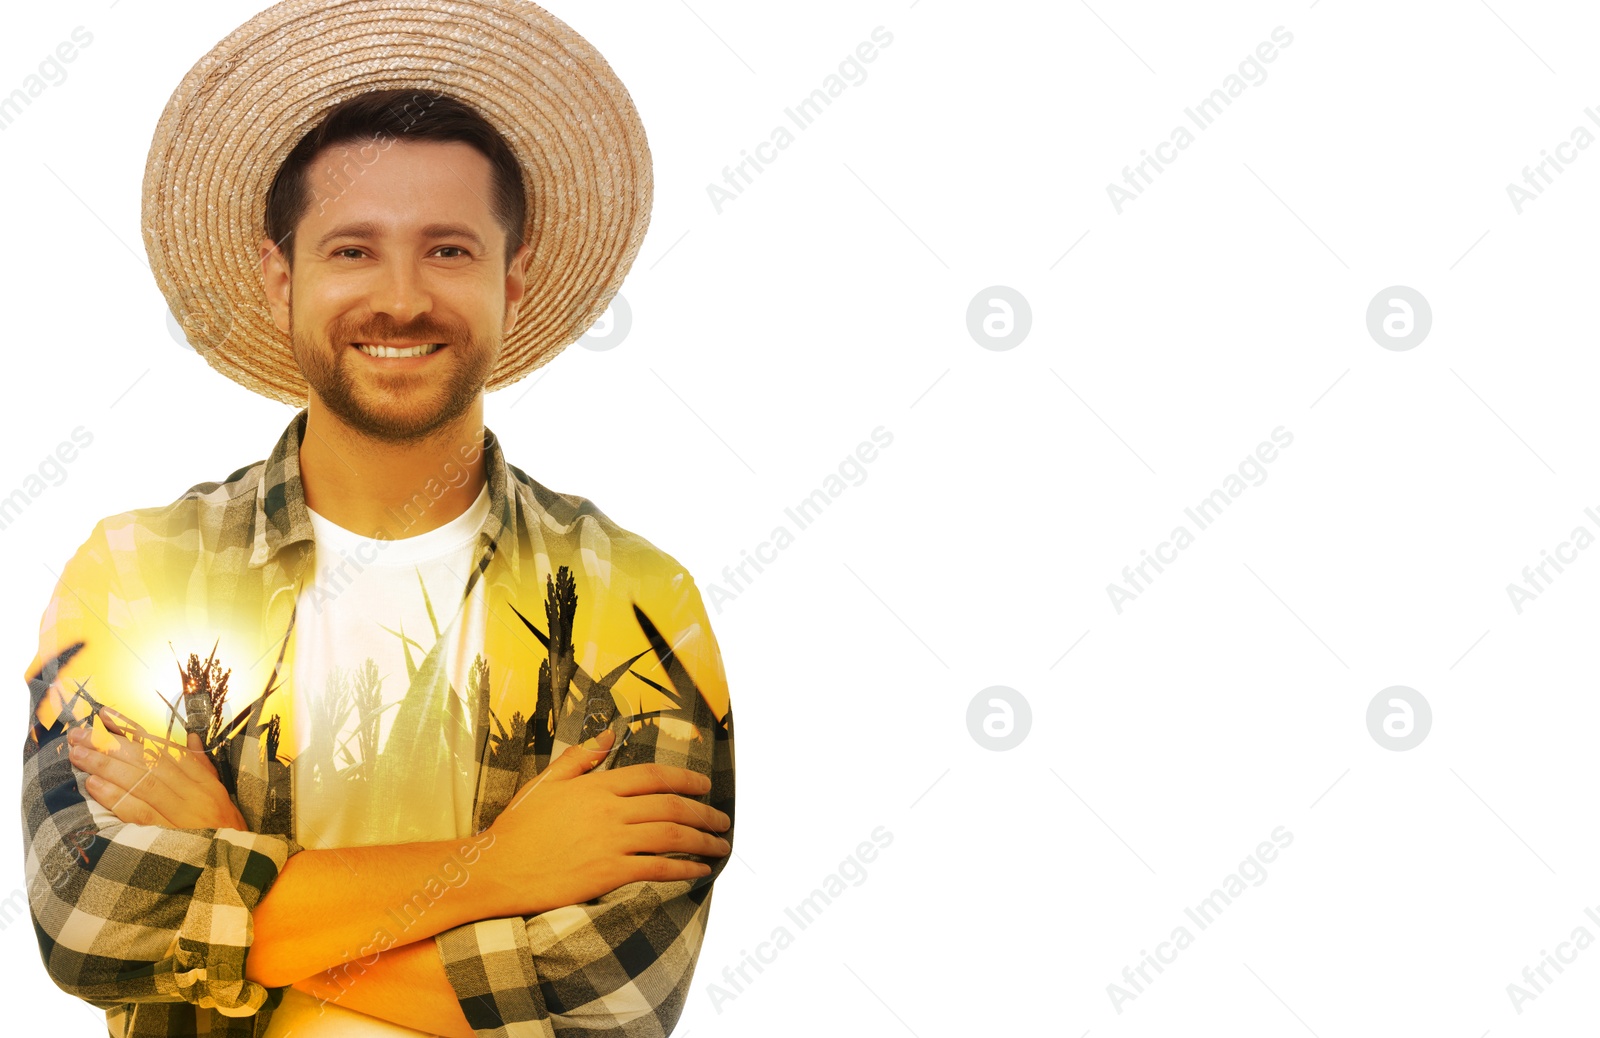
244	106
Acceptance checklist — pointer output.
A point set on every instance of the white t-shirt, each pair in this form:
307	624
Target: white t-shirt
384	748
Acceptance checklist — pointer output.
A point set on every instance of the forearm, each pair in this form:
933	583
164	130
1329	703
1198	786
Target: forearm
406	985
364	900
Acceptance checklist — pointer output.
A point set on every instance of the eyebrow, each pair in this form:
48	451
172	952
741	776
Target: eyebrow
368	229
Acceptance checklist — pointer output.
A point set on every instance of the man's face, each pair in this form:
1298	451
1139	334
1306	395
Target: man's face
399	298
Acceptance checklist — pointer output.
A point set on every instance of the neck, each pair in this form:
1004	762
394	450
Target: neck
391	490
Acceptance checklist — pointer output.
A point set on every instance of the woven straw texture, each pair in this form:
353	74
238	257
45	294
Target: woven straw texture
243	107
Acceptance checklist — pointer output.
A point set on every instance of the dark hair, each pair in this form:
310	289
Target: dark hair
384	115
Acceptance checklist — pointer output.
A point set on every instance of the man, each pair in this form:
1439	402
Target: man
407	798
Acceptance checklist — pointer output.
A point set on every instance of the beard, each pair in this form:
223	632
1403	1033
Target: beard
394	407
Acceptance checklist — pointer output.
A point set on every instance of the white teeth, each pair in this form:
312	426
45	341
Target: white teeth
391	351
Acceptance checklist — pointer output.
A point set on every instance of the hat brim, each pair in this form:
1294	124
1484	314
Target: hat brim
244	105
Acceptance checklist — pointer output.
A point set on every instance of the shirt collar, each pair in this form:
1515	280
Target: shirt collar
282	519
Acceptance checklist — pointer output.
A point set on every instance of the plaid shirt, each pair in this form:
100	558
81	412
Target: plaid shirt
151	924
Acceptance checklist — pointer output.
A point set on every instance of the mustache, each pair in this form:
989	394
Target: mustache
389	331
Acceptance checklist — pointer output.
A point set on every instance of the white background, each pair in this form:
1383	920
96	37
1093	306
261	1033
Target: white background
1166	341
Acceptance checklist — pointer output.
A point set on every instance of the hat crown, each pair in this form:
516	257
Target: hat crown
244	105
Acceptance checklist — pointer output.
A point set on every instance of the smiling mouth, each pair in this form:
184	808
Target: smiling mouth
396	351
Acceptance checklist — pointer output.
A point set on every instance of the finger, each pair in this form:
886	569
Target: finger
581	759
115	767
654	778
123	804
575	760
148	753
669	807
672	838
112	720
195	761
120	724
173	796
130	751
135	748
659	869
187	773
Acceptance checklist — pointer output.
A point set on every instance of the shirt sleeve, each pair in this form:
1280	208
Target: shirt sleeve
125	913
620	964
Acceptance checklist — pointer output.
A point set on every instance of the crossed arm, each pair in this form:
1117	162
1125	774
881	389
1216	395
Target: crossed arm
407	985
350	891
354	956
152	913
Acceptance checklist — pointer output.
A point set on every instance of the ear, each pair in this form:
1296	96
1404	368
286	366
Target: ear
275	279
516	284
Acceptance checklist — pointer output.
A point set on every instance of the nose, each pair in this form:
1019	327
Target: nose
400	290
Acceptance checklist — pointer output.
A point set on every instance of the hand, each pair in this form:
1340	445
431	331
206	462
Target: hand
175	788
569	836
